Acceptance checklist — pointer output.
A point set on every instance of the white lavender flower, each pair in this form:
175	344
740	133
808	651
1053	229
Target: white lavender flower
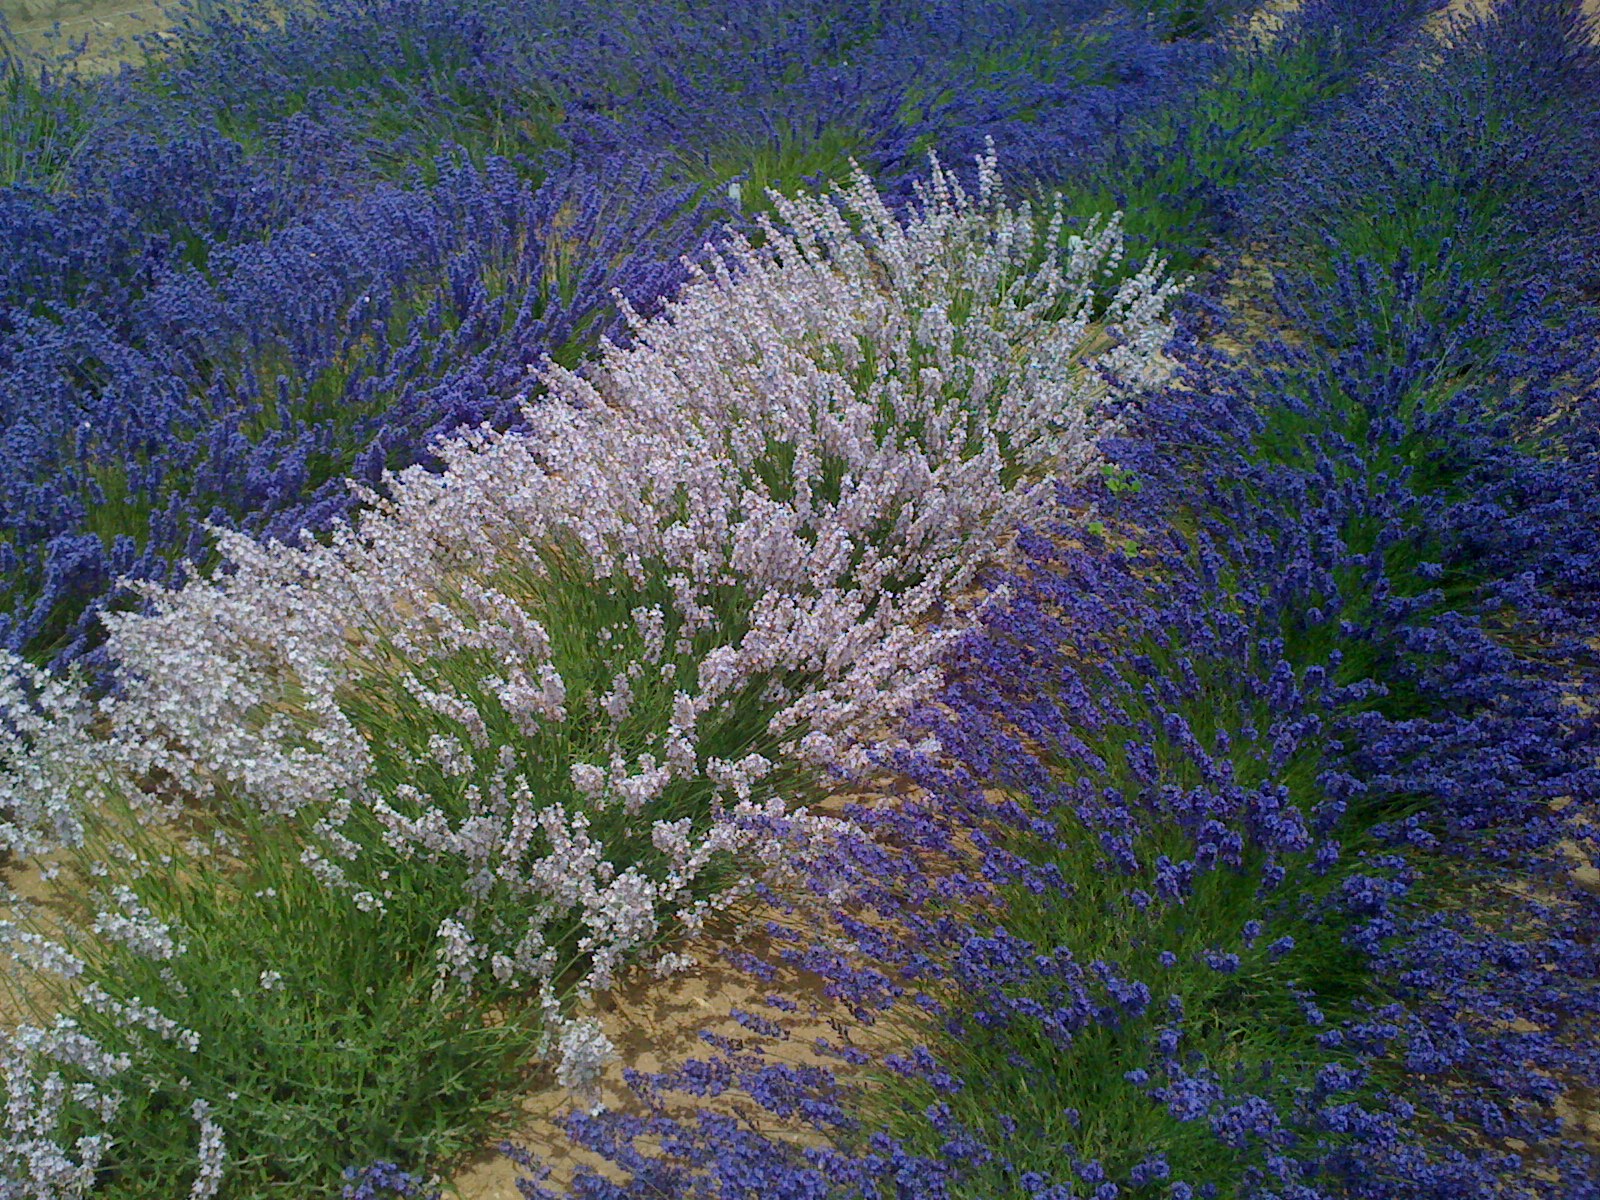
30	1155
48	760
213	1154
136	927
584	1050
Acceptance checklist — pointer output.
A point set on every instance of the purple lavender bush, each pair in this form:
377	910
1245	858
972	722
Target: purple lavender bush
341	347
1185	170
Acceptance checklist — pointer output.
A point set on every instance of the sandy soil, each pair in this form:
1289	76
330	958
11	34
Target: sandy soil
657	1025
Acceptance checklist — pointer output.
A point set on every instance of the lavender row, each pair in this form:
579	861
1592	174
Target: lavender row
282	257
1277	900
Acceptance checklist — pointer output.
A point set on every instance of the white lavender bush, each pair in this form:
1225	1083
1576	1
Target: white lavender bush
554	690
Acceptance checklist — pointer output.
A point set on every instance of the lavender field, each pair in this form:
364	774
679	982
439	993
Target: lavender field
939	600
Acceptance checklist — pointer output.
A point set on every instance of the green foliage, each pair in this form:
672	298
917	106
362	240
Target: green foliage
320	1039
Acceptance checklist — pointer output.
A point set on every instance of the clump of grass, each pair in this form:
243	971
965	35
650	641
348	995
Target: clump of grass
789	160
